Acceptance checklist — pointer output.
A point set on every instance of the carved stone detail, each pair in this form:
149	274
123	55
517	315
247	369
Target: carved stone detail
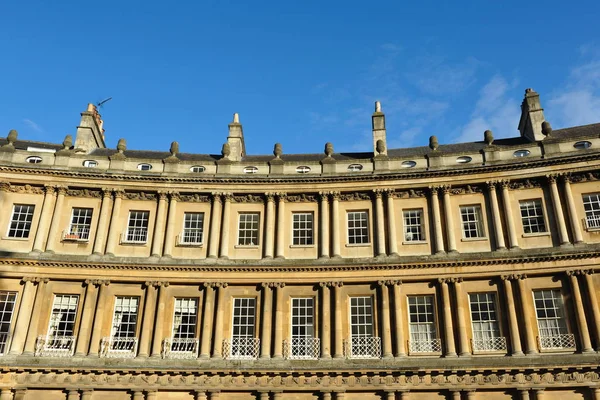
28	189
249	198
192	198
354	196
301	198
140	196
90	193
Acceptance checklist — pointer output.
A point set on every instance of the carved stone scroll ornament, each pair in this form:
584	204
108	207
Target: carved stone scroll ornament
525	184
89	193
140	196
27	189
408	194
249	198
355	196
194	198
301	198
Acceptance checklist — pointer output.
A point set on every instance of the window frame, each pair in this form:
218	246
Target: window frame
28	222
136	237
114	329
195	232
243	239
297	231
82	230
7	297
351	239
496	324
61	333
175	333
592	215
479	222
542	215
432	332
421	214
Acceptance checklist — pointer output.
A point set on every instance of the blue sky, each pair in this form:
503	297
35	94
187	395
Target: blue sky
300	73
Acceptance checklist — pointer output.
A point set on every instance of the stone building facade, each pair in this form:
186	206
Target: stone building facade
460	271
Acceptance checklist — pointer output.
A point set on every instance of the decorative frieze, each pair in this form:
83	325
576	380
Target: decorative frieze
140	196
301	198
248	198
192	198
408	194
469	189
89	193
28	189
525	184
354	196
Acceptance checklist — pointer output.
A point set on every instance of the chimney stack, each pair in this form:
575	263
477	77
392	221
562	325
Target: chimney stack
90	134
532	117
378	124
236	139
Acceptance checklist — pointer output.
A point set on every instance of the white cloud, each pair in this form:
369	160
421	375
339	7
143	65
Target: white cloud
34	126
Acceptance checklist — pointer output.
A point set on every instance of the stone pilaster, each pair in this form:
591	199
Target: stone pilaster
513	241
448	324
94	345
461	315
524	293
100	242
40	298
24	315
278	287
85	326
42	230
386	331
339	338
115	230
582	325
449	220
573	219
324	225
335	237
148	318
559	216
159	320
399	312
218	345
391	225
267	319
380	222
269	224
593	301
281	226
325	320
225	229
171	234
215	225
55	227
511	309
497	218
437	220
207	321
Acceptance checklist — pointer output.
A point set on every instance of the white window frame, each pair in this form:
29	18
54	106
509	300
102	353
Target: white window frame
193	229
423	332
131	309
591	205
485	322
8	301
243	343
90	163
80	231
361	309
64	311
532	216
24	216
303	231
248	230
137	227
303	343
409	231
470	224
358	233
184	309
548	325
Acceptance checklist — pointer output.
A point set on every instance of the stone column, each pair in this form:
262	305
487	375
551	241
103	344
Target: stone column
465	350
595	393
215	225
500	245
325	320
513	241
339	339
264	395
199	395
563	235
404	394
524	394
114	231
335	210
340	395
159	320
24	315
540	394
523	293
437	220
20	394
399	307
85	326
86	394
456	395
171	234
42	230
207	322
390	395
391	225
575	225
281	226
277	395
102	295
7	394
4	188
269	225
386	331
380	222
148	319
584	333
55	227
471	394
225	230
511	309
267	319
151	395
214	394
278	287
448	325
324	225
159	226
593	300
449	220
218	345
138	395
41	297
100	243
325	395
72	394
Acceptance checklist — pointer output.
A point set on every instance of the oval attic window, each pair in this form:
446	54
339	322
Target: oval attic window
197	169
355	167
144	167
34	160
90	163
408	164
250	170
521	153
582	145
464	159
303	169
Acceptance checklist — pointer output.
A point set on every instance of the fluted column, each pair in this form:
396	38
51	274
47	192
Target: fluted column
391	225
559	216
575	225
42	230
89	307
386	331
461	313
335	210
215	225
55	226
138	395
148	319
340	395
471	394
380	222
269	225
277	395
448	325
437	220
278	287
593	300
404	394
159	320
324	225
264	395
584	333
225	230
511	309
496	216
218	345
456	395
513	241
399	307
325	320
524	394
281	226
94	344
159	226
24	315
100	242
41	297
267	319
207	321
449	220
524	292
115	230
171	234
339	349
214	394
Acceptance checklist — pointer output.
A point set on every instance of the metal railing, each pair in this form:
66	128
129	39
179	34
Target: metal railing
363	347
118	347
425	346
55	346
135	235
190	237
302	348
564	341
592	221
4	342
241	348
77	233
180	348
489	344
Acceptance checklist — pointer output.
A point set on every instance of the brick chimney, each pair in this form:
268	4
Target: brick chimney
532	117
236	139
90	134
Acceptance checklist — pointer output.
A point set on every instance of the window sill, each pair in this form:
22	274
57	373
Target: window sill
565	350
527	235
359	245
475	239
189	245
592	229
415	242
425	354
302	246
133	243
246	246
489	353
16	238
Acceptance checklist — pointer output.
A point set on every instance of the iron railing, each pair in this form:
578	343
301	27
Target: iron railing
190	237
241	348
564	341
180	348
592	221
77	233
302	348
425	346
489	344
118	347
135	235
55	346
363	347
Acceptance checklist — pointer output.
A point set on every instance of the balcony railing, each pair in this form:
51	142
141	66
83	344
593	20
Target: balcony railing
302	348
592	221
180	348
4	342
118	347
55	346
135	235
77	233
425	346
489	344
363	347
565	341
190	237
241	348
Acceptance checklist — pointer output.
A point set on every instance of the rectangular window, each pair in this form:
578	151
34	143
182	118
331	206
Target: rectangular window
472	225
303	343
422	329
81	221
193	225
243	342
591	204
358	227
532	216
7	308
302	231
137	227
361	316
486	330
552	325
248	229
413	225
64	312
20	223
125	317
185	318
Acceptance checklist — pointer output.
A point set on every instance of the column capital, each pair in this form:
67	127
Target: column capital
35	279
97	282
217	197
227	197
270	197
446	189
324	196
491	185
444	281
162	195
334	195
215	285
106	192
552	178
434	190
119	193
378	193
49	189
281	196
331	284
156	284
505	183
174	196
4	186
62	190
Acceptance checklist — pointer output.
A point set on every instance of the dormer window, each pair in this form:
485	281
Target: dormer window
250	170
34	160
408	164
197	169
464	159
355	167
144	167
303	169
583	145
90	163
521	153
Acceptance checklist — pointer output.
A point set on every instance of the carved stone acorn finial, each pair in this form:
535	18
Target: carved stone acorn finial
236	118
377	106
488	137
277	150
12	136
122	145
225	150
433	142
328	149
174	149
68	142
380	146
546	128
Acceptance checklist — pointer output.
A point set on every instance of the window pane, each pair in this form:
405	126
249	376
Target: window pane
20	223
532	216
248	229
302	228
472	225
358	227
